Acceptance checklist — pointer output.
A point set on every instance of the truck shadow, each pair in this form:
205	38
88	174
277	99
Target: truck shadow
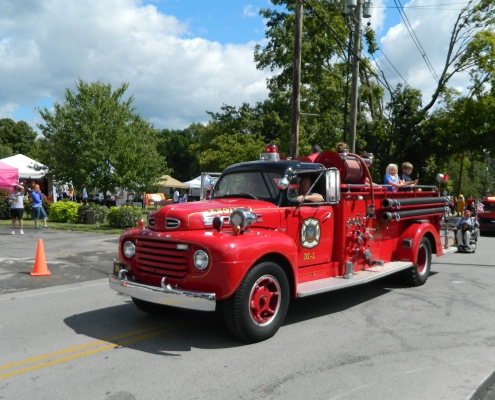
180	330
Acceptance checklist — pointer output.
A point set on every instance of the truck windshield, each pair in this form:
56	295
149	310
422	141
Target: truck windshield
251	184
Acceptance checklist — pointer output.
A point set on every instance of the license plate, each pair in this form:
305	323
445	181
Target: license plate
117	267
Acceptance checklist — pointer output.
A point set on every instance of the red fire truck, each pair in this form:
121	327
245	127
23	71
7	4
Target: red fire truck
258	242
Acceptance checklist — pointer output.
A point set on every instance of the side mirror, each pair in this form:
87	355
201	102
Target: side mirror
333	185
283	183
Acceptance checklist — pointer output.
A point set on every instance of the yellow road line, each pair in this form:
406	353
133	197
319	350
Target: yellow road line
114	339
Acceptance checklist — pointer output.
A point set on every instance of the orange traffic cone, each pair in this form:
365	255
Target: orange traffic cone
40	267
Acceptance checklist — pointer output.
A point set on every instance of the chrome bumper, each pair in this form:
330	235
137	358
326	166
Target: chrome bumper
165	295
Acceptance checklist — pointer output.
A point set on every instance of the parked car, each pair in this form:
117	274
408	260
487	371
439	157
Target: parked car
487	217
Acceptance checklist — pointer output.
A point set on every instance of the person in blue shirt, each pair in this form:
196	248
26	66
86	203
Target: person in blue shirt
37	198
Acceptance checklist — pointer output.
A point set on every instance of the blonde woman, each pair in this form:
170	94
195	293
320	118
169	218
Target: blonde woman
392	178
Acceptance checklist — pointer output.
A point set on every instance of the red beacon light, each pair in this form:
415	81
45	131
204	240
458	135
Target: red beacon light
271	153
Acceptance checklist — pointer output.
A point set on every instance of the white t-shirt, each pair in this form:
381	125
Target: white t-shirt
176	196
184	198
18	200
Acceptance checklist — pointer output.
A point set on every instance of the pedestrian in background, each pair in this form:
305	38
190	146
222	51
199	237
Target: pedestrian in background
17	208
71	193
460	205
175	195
38	210
84	194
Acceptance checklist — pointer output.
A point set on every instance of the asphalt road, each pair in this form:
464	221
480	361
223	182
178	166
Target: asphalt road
71	257
379	341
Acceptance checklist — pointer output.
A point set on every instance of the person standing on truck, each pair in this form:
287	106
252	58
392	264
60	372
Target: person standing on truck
464	227
315	152
341	146
392	178
304	185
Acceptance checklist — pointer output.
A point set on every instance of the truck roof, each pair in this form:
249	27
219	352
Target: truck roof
279	166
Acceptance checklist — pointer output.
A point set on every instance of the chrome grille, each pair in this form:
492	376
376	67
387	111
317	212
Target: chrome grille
172	223
151	222
160	258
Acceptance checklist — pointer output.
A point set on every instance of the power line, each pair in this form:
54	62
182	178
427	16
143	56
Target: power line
430	6
415	39
407	84
342	45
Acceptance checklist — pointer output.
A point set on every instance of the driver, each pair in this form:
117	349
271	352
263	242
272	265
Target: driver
304	185
463	228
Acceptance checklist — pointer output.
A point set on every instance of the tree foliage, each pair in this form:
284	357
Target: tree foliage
175	145
95	137
15	137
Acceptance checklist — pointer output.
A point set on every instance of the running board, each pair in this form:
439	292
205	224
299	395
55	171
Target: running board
371	274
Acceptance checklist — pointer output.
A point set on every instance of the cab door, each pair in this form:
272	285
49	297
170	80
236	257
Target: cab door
312	227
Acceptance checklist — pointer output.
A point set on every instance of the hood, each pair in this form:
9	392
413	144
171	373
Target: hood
200	214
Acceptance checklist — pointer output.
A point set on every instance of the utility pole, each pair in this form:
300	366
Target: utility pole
460	174
487	155
296	83
355	76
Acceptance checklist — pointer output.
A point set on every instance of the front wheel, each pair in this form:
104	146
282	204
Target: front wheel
257	309
418	274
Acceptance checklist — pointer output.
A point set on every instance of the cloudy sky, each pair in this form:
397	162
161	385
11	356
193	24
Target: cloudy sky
180	57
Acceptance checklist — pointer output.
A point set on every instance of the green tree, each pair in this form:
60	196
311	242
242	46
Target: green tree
18	136
174	145
95	137
5	151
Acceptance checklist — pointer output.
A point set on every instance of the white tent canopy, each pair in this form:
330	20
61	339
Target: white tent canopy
196	182
24	165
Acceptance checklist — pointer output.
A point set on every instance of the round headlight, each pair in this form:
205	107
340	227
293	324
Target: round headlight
201	260
129	249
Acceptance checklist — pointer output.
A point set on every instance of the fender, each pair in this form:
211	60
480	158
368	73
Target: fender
254	245
408	243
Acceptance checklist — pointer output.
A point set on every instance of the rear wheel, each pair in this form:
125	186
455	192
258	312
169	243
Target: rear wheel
150	308
418	274
257	309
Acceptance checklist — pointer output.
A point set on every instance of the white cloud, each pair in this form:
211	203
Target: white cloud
249	11
46	45
433	27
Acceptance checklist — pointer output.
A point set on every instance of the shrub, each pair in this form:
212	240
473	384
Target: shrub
124	216
28	205
64	211
101	212
4	208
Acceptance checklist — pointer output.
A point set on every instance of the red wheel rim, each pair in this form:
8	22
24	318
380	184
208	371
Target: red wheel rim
422	259
264	300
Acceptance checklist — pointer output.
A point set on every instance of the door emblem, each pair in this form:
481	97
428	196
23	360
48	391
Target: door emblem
310	233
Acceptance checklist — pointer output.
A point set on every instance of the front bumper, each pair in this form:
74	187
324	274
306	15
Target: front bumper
165	295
